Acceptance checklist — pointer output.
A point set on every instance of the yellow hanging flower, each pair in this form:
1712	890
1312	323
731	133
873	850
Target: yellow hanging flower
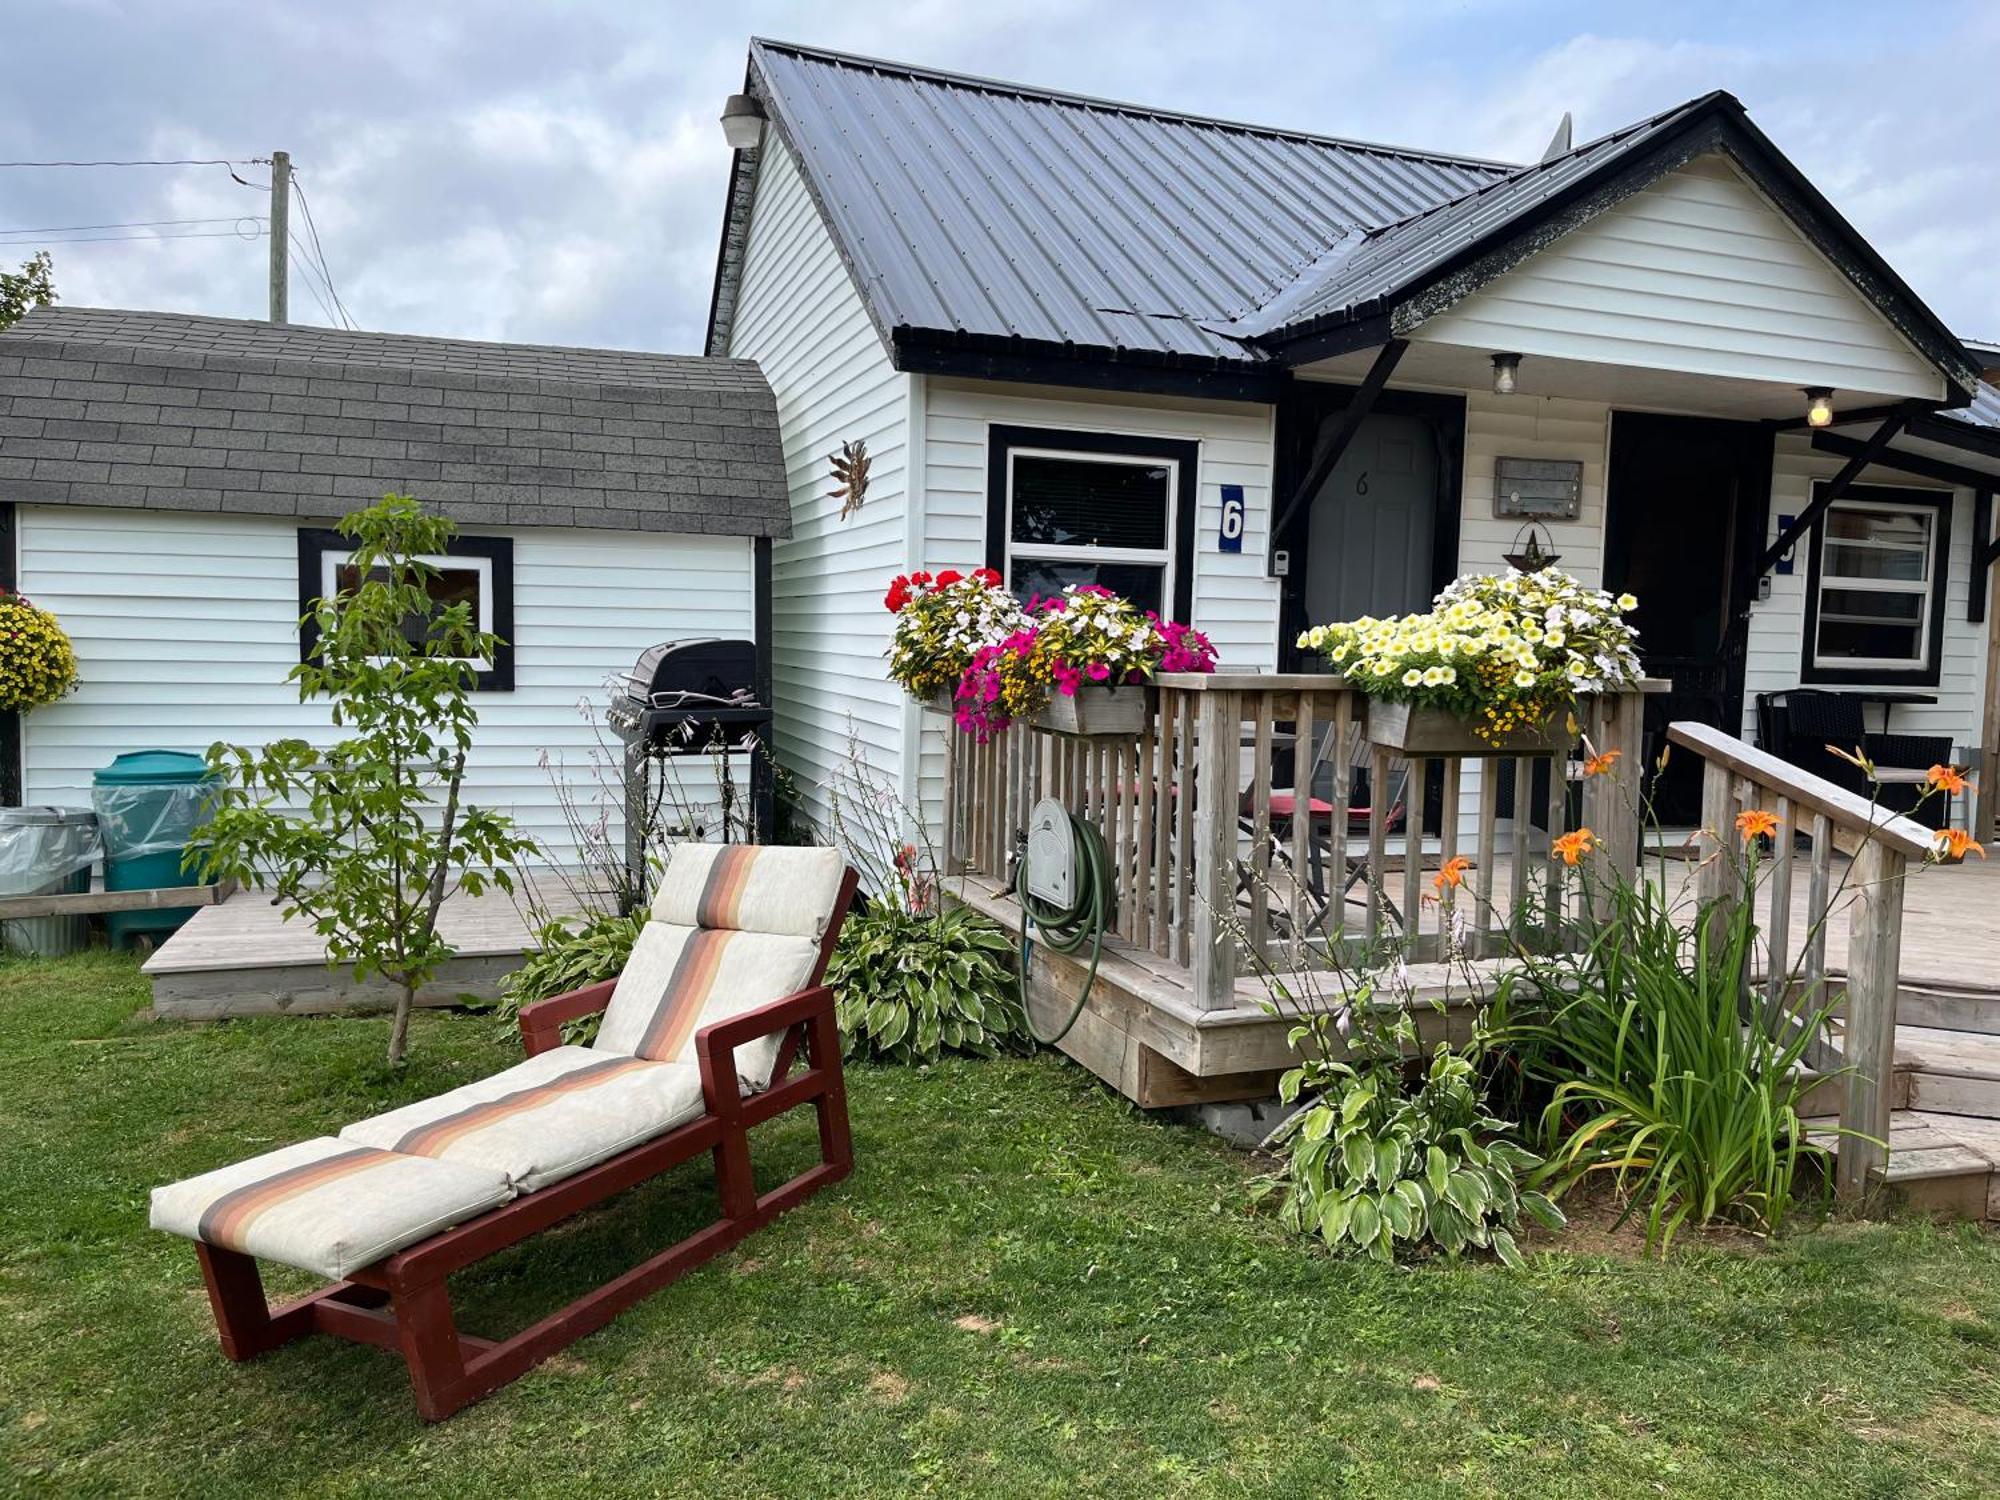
37	661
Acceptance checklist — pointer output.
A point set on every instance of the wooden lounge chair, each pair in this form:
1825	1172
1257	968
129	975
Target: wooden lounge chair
701	1036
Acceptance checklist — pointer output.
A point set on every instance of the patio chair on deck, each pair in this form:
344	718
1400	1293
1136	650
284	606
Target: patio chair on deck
1318	777
1799	724
720	998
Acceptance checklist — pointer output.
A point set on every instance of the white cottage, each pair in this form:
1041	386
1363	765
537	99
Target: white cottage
167	484
1264	377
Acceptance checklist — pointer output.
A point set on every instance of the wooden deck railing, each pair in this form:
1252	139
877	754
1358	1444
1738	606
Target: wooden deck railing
1738	777
1194	819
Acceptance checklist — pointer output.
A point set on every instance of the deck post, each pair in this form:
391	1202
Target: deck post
1611	802
1875	948
1213	958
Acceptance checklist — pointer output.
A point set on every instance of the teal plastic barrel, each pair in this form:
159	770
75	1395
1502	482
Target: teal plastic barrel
148	804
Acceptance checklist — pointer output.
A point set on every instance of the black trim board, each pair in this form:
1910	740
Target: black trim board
1907	463
975	357
1985	555
13	726
1184	455
498	550
1926	676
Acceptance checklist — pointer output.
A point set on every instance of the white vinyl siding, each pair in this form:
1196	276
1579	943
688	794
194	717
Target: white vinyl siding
185	626
1234	602
1696	273
1777	626
797	315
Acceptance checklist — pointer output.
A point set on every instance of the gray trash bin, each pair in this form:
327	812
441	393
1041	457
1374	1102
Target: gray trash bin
46	851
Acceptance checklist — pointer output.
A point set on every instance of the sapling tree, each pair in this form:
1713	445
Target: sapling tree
367	837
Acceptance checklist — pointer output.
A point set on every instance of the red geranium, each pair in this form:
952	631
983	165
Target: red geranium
898	595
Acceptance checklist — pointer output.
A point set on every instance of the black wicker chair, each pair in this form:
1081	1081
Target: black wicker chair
1800	724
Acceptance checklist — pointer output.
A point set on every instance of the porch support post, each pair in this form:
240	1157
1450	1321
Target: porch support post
1351	418
1836	487
1985	553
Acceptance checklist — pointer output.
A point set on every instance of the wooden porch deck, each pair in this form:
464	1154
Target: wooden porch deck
241	957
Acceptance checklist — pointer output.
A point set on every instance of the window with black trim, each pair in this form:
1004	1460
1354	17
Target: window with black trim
1083	507
474	570
1875	592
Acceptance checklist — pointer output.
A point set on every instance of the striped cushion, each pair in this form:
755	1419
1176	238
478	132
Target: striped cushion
326	1205
681	978
752	888
542	1120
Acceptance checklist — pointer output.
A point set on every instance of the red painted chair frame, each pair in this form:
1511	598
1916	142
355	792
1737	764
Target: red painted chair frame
401	1302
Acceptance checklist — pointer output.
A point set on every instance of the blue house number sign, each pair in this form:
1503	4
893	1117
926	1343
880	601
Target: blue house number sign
1231	539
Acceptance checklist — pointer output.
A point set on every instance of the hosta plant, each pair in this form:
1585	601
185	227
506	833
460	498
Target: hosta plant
569	954
1381	1161
911	986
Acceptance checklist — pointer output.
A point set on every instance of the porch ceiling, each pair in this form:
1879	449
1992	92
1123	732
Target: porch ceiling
1460	367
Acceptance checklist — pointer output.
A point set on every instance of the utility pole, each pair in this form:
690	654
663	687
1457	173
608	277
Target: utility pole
281	237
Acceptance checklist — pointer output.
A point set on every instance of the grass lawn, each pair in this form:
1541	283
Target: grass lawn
1025	1289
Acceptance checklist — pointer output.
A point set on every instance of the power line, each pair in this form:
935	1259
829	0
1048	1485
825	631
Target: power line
319	253
177	161
133	224
314	281
127	239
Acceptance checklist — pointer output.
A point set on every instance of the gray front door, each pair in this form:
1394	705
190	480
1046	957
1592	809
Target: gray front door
1369	547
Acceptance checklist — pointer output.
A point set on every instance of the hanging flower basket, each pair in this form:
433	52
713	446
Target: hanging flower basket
1096	712
1411	730
37	662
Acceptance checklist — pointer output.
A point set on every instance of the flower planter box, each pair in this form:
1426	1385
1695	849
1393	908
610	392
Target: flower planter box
1410	730
939	702
1097	712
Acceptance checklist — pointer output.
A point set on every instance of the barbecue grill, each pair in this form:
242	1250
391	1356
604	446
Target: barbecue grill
696	697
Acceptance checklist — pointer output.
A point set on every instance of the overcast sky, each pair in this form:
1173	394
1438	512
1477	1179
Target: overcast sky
555	173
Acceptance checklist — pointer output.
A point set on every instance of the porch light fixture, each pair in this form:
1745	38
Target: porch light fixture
742	122
1506	368
1819	407
1538	554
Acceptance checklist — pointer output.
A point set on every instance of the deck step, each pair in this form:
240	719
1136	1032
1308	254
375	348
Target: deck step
1940	1164
1951	1072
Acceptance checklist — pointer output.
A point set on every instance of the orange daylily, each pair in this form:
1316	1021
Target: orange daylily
1451	874
1572	847
1947	779
1956	843
1600	764
1856	758
1756	824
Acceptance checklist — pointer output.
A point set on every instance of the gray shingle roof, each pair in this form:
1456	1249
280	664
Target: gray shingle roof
168	411
987	208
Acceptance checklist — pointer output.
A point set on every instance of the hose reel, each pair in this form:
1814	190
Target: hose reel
1068	894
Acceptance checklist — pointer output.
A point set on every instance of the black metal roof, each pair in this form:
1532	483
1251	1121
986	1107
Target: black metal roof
985	216
174	412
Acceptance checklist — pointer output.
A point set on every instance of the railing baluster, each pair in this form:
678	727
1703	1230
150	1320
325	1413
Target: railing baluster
1378	838
1447	904
1305	750
1558	872
1486	851
1260	825
1413	856
1346	731
1523	833
1778	948
1819	892
1183	862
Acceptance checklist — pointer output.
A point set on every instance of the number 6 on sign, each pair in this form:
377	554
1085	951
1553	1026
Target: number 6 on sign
1231	539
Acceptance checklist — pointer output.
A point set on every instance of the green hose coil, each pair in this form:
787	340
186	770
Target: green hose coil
1065	929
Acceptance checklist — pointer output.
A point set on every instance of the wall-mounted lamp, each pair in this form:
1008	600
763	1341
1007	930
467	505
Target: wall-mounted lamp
742	122
1506	369
1819	407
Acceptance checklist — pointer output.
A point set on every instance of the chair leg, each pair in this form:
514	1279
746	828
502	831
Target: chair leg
429	1343
244	1324
836	1140
735	1180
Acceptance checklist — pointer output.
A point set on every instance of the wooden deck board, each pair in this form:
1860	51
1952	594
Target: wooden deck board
242	957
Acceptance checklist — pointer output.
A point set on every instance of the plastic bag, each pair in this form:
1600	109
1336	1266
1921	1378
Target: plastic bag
140	820
41	848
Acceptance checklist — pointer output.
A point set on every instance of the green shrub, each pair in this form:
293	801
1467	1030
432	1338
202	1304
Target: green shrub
1665	1073
912	986
569	953
1393	1154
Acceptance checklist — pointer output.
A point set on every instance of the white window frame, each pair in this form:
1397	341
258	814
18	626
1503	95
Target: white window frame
1162	556
331	561
1925	588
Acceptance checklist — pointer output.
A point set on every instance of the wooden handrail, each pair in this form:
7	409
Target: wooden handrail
1738	777
1849	812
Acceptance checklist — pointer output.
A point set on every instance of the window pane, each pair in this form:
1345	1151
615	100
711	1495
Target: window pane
1875	642
1075	502
1870	605
1908	527
445	585
1046	577
1905	564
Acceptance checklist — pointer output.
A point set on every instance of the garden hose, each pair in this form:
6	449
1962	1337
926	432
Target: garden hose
1065	929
